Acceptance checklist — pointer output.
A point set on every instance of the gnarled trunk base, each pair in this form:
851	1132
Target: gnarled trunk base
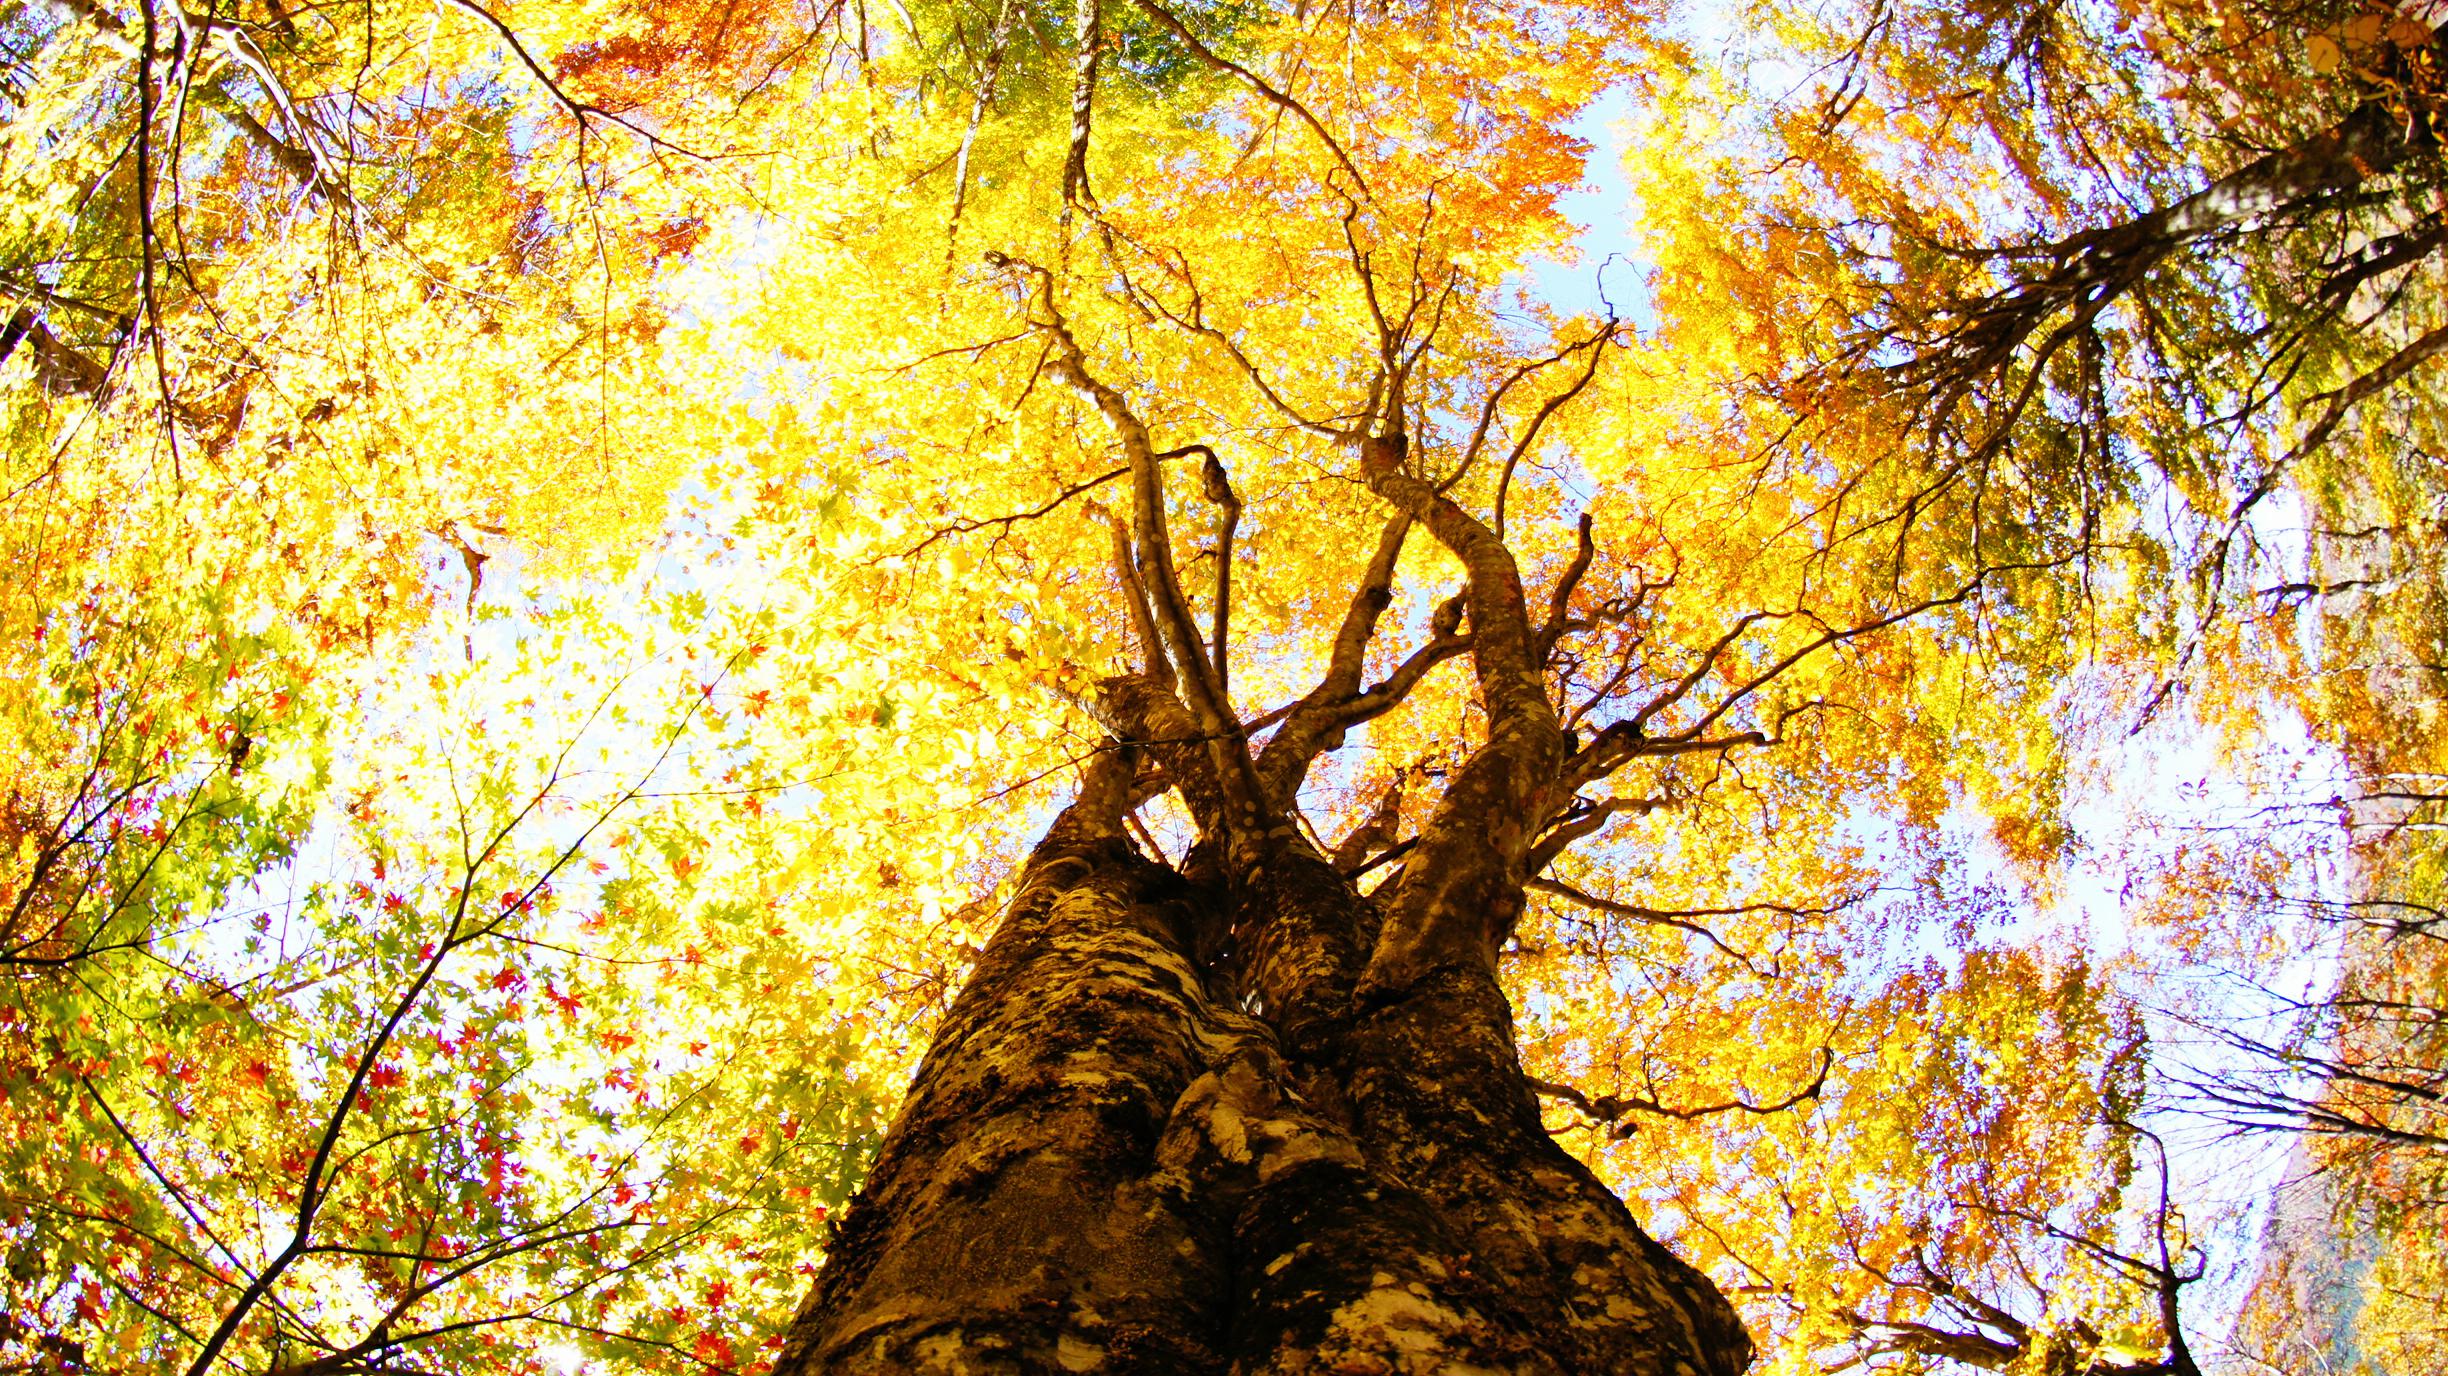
1106	1165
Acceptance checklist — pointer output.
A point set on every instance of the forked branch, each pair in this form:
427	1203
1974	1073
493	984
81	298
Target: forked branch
1316	722
1246	810
1461	892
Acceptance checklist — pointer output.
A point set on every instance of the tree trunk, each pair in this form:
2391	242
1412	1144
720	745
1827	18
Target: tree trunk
1165	1129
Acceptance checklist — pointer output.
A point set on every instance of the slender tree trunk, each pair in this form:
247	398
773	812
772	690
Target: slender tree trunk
1107	1164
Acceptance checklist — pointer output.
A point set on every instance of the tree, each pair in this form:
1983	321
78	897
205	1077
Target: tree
294	1028
1222	1073
2201	275
1202	1064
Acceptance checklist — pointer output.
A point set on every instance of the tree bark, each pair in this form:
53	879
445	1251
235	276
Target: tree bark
1165	1128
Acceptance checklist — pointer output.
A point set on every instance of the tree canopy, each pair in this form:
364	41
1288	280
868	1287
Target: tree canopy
565	557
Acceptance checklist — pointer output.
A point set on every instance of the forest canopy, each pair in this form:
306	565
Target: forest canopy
1130	685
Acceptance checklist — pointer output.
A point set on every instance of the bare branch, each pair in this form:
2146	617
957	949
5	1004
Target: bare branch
1629	739
1316	722
1376	832
1581	819
1559	602
577	109
979	103
2341	402
1613	1110
1245	816
964	526
1681	919
1089	16
1134	597
1218	489
1165	20
1596	344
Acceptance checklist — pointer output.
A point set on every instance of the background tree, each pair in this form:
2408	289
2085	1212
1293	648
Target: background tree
299	334
2218	296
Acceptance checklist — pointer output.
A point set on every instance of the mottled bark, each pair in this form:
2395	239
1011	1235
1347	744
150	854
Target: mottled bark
1016	1219
1160	1131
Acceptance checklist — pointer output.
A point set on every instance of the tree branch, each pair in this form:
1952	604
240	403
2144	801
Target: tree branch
1611	1109
1165	20
1461	892
1286	756
577	109
1681	919
1218	489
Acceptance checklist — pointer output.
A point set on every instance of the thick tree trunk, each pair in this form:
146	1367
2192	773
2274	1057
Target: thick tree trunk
1107	1164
